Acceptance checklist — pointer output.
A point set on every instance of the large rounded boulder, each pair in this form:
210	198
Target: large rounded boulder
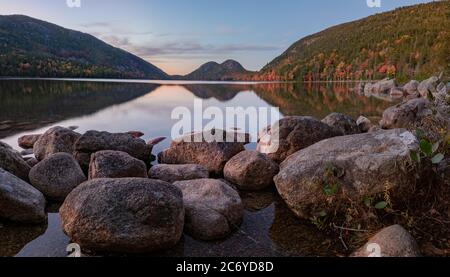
251	170
57	175
28	141
393	241
12	161
292	134
116	164
210	152
19	201
55	140
346	168
343	123
406	114
94	141
213	208
129	215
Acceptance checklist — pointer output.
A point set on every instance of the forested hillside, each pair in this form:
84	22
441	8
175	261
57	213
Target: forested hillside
410	42
31	47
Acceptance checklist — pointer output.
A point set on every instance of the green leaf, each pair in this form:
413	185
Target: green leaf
437	159
381	206
420	134
415	157
323	214
426	147
330	190
368	202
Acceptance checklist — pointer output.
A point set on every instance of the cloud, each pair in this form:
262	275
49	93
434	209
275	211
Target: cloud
109	28
99	24
121	42
195	48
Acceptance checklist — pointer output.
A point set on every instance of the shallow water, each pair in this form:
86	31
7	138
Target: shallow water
268	228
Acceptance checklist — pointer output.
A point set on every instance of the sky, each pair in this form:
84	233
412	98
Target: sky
180	35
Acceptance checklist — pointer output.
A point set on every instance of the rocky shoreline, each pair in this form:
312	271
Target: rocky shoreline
351	178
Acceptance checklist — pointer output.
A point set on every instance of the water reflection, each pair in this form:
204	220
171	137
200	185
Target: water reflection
268	229
29	104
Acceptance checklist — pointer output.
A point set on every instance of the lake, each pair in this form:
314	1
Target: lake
268	229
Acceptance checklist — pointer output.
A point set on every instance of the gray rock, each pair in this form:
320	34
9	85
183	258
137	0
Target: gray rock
343	123
441	88
405	114
28	141
295	133
442	102
360	165
383	86
412	96
397	92
251	170
55	140
19	201
393	241
213	209
94	141
26	152
197	149
57	175
12	161
130	215
428	86
174	172
364	124
115	164
374	129
411	87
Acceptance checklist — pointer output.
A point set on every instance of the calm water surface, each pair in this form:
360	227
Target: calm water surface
268	229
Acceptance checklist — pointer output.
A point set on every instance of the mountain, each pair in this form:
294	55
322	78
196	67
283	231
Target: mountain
212	71
409	42
31	47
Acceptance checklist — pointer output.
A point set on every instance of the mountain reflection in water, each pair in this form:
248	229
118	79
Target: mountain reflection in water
268	228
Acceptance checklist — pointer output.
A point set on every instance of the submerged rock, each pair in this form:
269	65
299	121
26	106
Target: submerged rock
57	175
12	161
16	236
343	123
130	215
94	141
174	172
251	170
200	149
350	167
295	133
115	164
19	201
213	208
393	241
28	141
26	152
55	140
405	114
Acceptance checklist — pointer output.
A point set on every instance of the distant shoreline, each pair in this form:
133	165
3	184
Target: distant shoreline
175	82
